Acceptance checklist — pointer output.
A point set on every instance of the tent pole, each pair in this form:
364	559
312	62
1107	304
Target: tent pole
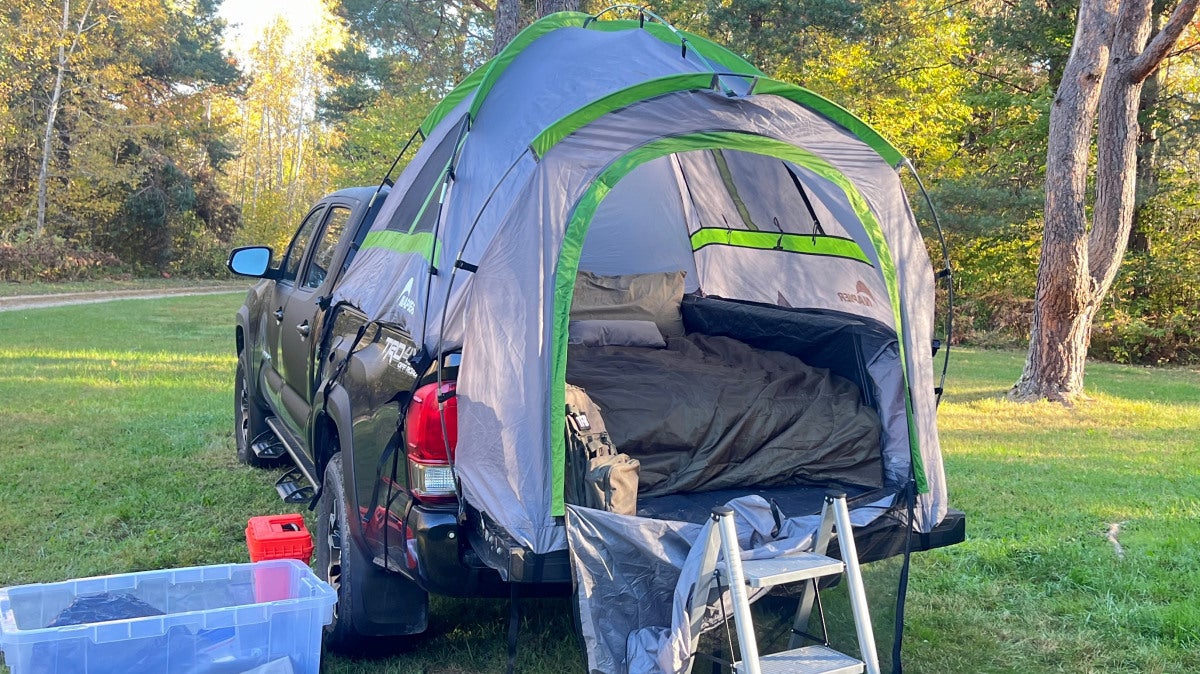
945	272
387	177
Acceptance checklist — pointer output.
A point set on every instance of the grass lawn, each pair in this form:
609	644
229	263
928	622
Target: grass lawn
110	285
118	456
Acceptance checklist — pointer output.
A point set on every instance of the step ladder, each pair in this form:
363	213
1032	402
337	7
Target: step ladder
806	567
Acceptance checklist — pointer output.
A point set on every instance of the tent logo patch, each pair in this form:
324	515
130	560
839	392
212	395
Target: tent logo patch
861	295
406	301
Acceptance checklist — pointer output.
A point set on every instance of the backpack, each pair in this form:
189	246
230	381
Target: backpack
598	476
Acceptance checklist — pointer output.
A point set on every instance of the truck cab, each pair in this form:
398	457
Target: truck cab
280	328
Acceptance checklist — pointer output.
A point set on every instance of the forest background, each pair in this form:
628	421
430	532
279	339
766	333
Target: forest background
133	143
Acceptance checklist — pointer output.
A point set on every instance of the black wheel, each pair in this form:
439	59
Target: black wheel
400	606
249	421
333	538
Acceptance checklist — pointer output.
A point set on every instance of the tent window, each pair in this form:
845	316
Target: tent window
427	185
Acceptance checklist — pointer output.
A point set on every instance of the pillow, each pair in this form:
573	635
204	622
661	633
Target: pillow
615	333
631	297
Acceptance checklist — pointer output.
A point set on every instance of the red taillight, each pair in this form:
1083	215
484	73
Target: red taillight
426	432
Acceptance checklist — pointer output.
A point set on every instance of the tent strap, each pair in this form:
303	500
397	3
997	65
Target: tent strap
910	499
514	624
817	230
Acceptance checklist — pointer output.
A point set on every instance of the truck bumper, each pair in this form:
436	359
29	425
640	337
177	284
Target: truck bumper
478	559
439	558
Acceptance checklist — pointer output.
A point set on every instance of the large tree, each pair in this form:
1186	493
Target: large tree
510	13
1097	102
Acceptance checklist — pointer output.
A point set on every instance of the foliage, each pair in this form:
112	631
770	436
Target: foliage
1153	314
370	140
1016	53
132	139
283	163
397	62
994	278
52	259
403	49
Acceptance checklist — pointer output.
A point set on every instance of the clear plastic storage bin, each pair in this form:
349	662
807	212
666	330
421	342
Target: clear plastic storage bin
201	620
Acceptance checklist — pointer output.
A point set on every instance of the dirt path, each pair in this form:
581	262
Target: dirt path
66	299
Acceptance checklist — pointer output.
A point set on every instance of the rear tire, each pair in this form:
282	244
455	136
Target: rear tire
249	421
342	564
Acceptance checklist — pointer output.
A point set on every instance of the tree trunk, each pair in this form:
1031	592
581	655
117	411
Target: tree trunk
545	7
508	22
1058	338
51	116
1109	61
1149	117
65	52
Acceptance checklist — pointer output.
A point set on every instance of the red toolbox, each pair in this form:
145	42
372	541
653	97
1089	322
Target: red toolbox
278	537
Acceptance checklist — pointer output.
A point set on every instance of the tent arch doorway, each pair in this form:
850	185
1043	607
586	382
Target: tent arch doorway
869	248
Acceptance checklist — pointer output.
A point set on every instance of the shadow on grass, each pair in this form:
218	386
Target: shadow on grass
469	636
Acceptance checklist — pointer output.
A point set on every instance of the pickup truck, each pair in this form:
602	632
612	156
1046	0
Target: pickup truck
368	426
295	389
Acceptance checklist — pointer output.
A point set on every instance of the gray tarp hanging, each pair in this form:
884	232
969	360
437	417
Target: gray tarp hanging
635	578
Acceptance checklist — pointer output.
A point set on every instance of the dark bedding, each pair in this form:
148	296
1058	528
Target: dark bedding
710	413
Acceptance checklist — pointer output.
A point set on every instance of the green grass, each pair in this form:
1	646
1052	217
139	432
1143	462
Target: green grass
1038	587
9	289
117	456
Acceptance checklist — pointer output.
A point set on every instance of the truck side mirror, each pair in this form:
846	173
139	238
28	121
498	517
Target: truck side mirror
250	261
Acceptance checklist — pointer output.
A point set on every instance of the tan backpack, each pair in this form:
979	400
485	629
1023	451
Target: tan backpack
598	476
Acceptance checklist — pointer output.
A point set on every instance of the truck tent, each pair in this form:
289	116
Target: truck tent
618	149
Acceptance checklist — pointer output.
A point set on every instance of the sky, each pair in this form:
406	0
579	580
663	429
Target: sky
248	18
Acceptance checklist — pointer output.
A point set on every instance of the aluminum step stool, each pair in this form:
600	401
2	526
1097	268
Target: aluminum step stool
797	567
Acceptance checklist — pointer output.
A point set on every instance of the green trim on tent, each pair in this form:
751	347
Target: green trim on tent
832	111
421	243
556	132
585	209
807	244
551	135
481	81
452	99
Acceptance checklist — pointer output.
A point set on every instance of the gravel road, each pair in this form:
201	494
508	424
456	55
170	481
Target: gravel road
65	299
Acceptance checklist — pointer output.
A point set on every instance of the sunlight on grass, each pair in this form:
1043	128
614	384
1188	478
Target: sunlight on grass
1039	585
118	457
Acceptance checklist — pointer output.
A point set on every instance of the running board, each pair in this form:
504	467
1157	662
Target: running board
302	462
291	487
267	446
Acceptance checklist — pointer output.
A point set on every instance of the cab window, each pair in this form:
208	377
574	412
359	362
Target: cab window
322	257
295	254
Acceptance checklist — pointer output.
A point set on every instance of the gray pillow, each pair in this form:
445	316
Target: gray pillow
615	333
631	297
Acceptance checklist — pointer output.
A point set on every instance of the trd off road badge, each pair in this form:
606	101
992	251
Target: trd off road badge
399	355
861	295
406	301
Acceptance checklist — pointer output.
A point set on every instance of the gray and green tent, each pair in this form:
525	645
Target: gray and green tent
624	148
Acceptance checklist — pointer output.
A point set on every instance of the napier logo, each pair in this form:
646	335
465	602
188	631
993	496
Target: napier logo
861	295
406	301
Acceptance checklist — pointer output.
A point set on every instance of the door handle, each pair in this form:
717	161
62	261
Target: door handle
303	329
278	314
